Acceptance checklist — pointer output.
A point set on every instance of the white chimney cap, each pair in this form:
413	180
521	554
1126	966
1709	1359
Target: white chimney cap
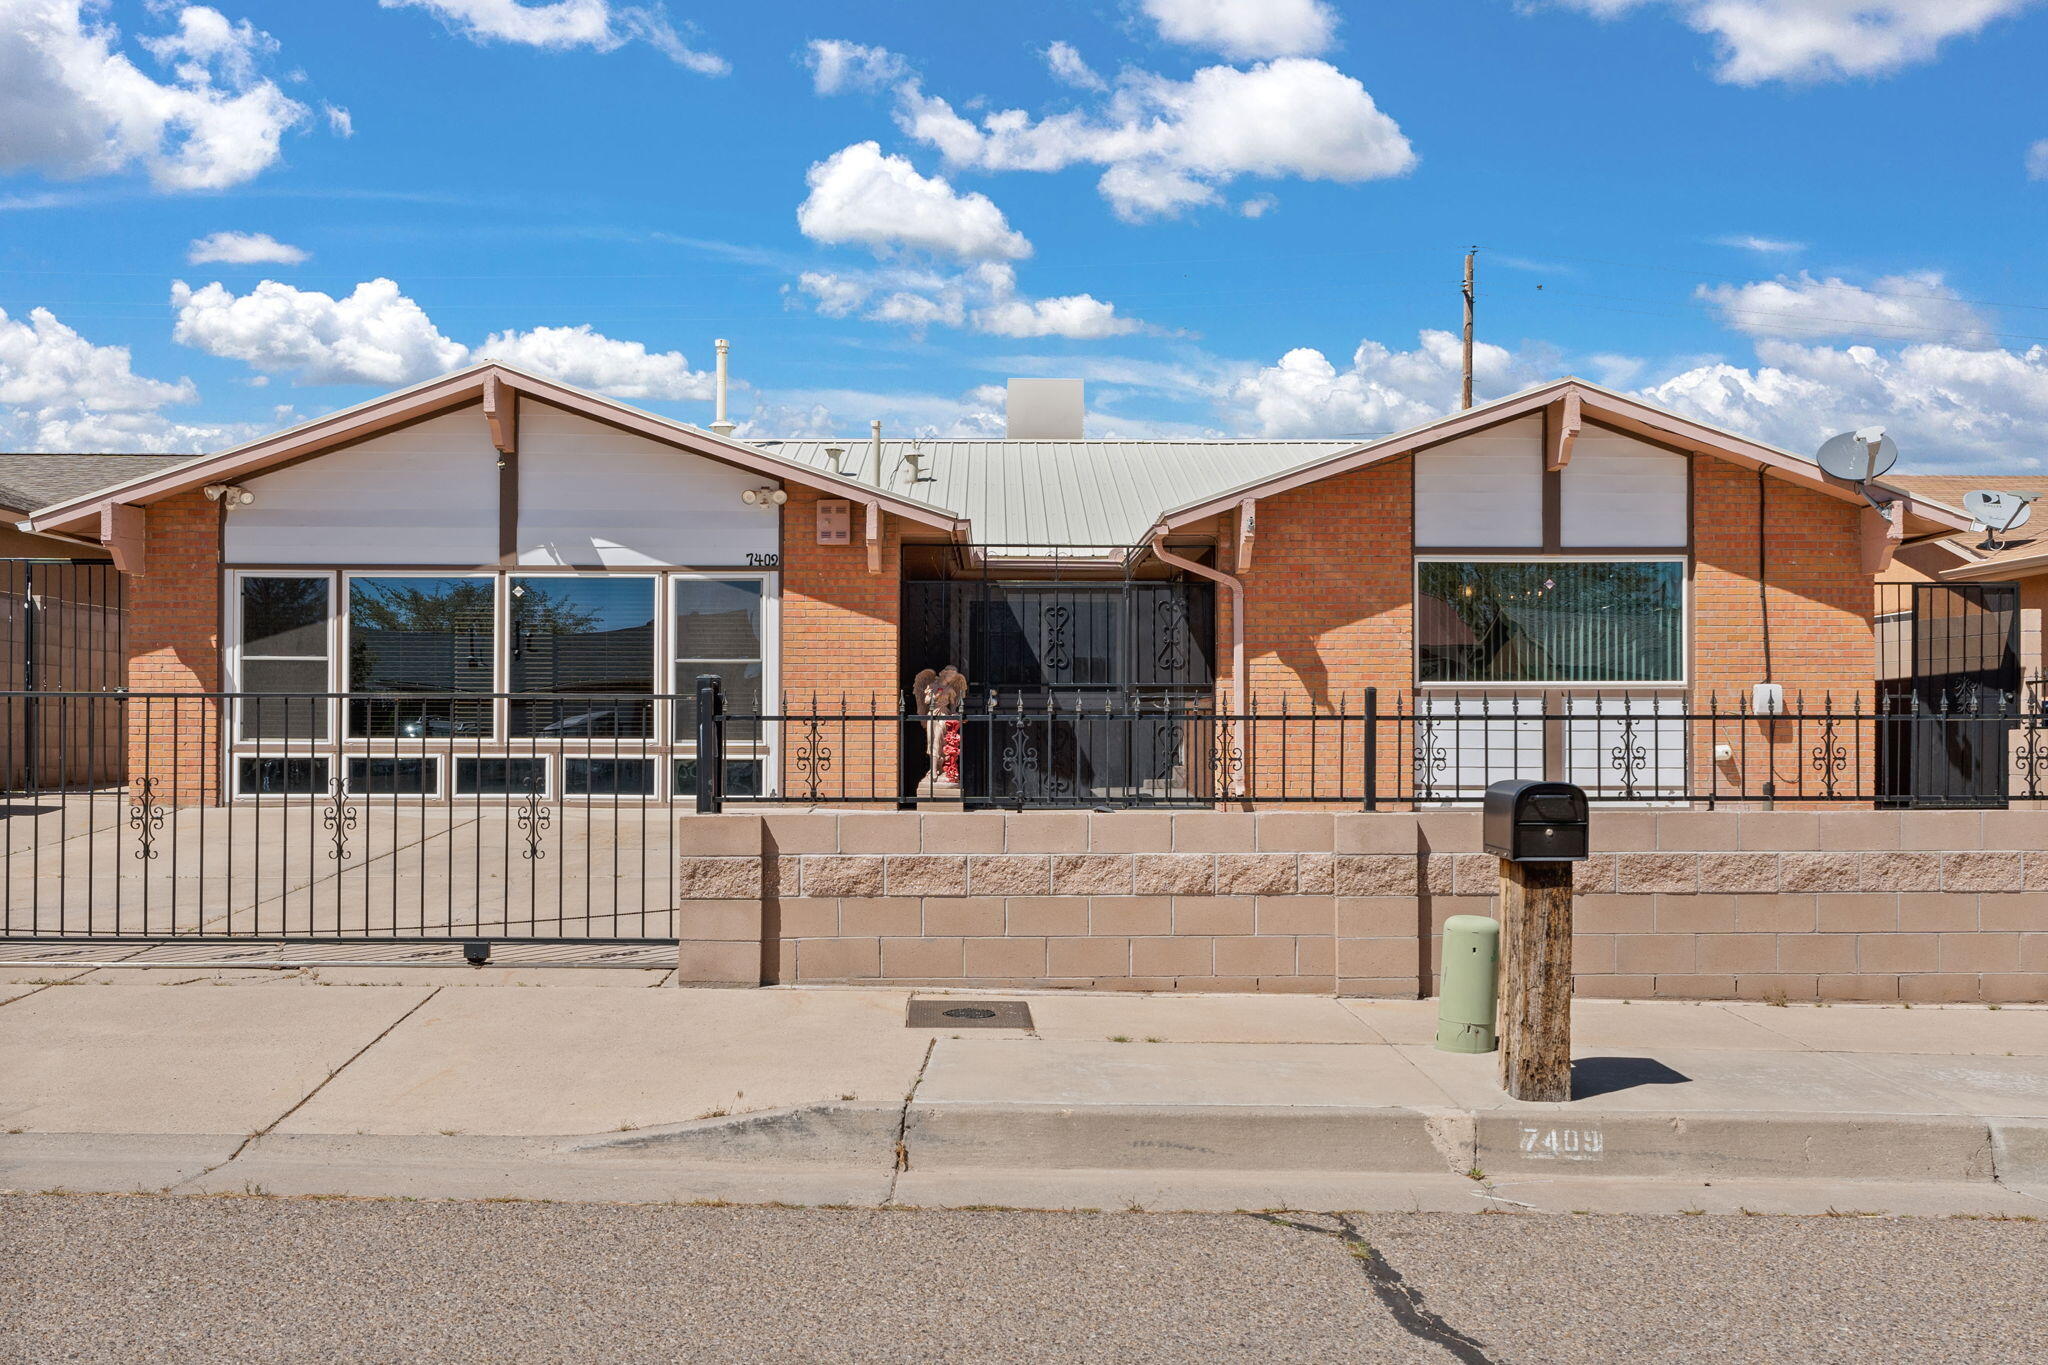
1044	410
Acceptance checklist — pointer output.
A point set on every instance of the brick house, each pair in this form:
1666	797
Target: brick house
1563	573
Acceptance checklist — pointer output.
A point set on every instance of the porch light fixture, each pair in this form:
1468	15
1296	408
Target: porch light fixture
764	497
234	495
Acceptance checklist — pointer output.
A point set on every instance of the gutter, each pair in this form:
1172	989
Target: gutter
1236	586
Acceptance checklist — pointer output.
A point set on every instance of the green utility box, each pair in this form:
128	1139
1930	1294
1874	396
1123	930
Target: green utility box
1465	1009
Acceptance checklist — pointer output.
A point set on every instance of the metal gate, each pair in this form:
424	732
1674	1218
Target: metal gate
60	631
1949	692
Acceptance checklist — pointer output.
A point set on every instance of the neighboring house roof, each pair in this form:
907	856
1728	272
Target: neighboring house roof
1073	494
30	482
2020	551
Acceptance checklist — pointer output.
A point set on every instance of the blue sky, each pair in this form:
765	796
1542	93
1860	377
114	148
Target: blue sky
1237	217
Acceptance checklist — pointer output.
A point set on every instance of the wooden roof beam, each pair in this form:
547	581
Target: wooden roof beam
124	530
501	414
1561	422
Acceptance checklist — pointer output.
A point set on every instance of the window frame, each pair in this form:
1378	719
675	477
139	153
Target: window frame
654	738
766	745
1685	607
236	654
500	661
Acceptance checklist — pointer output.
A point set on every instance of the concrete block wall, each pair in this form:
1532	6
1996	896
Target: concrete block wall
1920	906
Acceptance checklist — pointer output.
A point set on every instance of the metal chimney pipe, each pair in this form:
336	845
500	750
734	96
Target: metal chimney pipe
718	422
875	452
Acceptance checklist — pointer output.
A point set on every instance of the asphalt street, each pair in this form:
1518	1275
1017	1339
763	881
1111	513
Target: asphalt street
88	1278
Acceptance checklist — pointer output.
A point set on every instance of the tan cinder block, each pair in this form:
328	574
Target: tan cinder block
1655	954
1255	874
1046	831
1296	914
2021	829
1318	874
1858	830
1737	953
1696	831
1295	985
717	963
1898	953
2015	987
732	921
807	917
1942	988
1942	829
1442	908
1257	957
1980	952
1474	874
1603	987
1180	955
1045	915
881	917
1021	958
1902	872
1379	874
2034	952
1089	957
782	877
1831	872
791	834
1174	874
925	874
1612	914
1378	957
1130	831
1937	912
722	836
1130	916
2036	871
1592	953
1694	986
1658	872
880	832
1781	914
1376	916
1694	914
1377	833
1776	986
834	874
1980	871
1282	831
1009	874
1858	912
1213	915
1817	952
1739	872
1316	957
1617	831
1596	876
785	959
1215	832
1777	831
838	959
966	917
978	831
1858	986
2023	911
1092	874
718	878
929	959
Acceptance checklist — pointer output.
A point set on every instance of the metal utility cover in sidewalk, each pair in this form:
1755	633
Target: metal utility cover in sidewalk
952	1013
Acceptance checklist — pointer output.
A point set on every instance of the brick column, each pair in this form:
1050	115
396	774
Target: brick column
173	631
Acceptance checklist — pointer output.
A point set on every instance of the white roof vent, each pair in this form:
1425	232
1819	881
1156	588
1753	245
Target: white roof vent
1044	410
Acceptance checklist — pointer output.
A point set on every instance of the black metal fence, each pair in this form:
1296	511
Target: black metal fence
1386	752
319	816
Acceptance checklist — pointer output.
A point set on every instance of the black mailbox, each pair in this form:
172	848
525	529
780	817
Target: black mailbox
1536	822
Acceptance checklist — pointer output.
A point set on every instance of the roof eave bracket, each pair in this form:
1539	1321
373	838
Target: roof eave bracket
1565	419
1247	531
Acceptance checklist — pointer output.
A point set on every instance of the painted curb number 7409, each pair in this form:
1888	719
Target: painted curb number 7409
1562	1144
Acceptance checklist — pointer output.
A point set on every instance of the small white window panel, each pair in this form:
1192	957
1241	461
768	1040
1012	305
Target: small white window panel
1464	744
1484	489
1627	748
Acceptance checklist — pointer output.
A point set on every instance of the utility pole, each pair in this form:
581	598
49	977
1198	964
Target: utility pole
1465	392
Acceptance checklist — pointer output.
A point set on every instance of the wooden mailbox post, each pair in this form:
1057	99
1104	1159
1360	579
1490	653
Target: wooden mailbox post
1537	830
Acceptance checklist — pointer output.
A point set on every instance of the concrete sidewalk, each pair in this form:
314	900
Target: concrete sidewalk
594	1084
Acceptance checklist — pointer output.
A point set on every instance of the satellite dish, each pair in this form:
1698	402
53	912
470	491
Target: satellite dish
1997	513
1858	456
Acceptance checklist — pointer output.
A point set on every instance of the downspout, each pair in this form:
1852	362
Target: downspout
1236	587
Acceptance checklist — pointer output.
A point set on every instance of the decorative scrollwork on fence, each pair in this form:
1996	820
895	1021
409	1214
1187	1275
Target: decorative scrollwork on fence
534	820
145	817
338	818
1228	766
1628	758
1430	759
1830	757
1170	617
2030	756
813	758
1055	655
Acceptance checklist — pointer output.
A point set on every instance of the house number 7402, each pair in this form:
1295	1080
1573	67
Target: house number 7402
770	561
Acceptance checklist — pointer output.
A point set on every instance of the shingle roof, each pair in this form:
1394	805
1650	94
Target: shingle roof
29	482
1098	494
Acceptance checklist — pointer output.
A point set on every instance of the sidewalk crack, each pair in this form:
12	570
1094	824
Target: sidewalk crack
902	1162
1402	1301
301	1102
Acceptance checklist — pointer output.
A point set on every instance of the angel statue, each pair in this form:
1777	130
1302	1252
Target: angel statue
941	697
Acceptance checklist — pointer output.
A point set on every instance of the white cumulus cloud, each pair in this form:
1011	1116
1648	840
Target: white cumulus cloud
590	360
374	335
1246	30
838	66
860	196
1819	40
72	104
1380	390
1919	306
244	248
1068	67
1167	145
984	297
1081	316
599	25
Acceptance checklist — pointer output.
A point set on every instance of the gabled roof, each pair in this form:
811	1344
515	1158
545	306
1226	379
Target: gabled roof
84	513
1618	411
31	481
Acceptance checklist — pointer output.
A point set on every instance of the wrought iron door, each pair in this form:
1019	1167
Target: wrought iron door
1949	689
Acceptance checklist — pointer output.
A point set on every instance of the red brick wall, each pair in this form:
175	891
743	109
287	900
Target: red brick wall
174	645
839	653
